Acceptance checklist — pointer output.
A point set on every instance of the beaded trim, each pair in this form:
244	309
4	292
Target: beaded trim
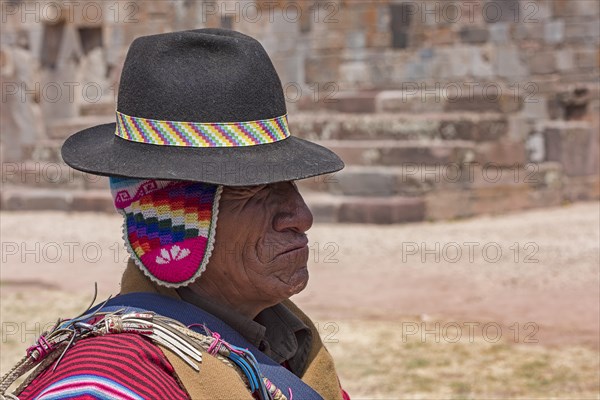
202	134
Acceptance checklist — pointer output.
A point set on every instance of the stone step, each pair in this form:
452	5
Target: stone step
355	180
439	204
417	180
450	98
364	209
339	126
420	98
65	127
46	150
40	199
325	207
44	156
395	153
479	127
101	108
49	175
353	152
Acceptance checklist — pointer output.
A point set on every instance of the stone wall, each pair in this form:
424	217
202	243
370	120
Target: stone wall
440	109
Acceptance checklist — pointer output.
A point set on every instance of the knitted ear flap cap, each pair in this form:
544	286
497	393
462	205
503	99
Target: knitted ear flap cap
169	226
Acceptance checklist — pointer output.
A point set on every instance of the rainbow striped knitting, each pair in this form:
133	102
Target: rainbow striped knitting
169	226
196	134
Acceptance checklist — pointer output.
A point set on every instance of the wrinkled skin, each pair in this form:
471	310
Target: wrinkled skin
261	253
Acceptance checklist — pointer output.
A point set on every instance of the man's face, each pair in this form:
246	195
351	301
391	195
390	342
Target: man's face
261	247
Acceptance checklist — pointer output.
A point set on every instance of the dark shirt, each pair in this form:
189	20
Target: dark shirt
275	331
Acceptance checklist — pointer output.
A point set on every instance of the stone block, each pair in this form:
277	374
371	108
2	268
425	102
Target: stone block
383	210
22	199
500	199
407	101
519	128
319	69
565	59
355	73
63	128
362	181
474	35
545	175
438	154
96	182
324	207
458	61
489	129
488	175
486	99
479	64
330	40
503	153
456	129
451	63
528	34
499	32
92	200
322	183
379	39
447	205
353	102
535	147
581	188
417	180
545	198
570	8
43	151
574	145
354	155
508	64
356	40
495	11
554	31
587	58
440	37
158	7
542	62
535	108
393	128
100	108
582	31
41	175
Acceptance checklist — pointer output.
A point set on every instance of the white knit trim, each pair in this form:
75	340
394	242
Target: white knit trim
210	244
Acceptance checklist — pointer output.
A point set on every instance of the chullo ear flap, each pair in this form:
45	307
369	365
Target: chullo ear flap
169	226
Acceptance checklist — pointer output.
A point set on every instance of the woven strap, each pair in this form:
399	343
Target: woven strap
202	134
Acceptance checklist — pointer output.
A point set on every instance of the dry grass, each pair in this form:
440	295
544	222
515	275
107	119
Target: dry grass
373	360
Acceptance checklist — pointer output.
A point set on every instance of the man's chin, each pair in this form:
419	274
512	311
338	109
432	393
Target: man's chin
297	281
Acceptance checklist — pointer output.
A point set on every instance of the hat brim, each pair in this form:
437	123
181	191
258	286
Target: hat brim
99	151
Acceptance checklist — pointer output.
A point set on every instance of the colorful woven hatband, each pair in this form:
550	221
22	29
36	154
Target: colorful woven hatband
196	134
169	227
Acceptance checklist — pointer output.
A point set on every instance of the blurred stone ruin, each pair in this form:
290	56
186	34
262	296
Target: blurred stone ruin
441	110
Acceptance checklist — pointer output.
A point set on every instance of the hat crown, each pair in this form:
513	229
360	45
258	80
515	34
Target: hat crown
203	75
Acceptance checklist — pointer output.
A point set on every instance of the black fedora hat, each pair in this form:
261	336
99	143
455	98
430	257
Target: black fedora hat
202	105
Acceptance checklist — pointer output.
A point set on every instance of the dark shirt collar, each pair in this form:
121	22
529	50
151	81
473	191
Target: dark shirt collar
276	331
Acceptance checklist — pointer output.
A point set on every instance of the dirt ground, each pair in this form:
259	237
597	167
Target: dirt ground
491	307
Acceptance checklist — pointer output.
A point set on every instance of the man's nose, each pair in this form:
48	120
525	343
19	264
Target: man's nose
294	213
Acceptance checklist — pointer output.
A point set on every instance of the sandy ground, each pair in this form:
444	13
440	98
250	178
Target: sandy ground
409	311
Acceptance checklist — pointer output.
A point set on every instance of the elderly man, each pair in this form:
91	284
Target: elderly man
201	165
